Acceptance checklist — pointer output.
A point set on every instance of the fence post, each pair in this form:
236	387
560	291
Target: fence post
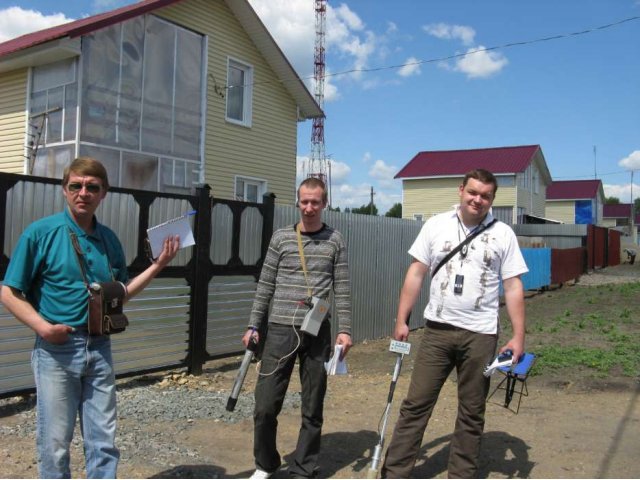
268	200
202	273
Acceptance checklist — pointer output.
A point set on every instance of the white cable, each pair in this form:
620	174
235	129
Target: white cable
293	321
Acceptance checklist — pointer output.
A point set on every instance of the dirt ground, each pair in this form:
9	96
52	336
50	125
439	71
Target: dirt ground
571	425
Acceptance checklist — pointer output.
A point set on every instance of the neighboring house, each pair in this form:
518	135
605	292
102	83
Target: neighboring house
166	93
576	201
430	181
619	217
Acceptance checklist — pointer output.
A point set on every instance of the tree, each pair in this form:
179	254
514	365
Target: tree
636	204
369	209
395	211
332	209
611	200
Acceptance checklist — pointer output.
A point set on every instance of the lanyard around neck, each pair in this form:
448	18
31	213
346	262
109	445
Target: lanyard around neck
302	260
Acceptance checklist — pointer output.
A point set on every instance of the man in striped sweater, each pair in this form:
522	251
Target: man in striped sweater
287	285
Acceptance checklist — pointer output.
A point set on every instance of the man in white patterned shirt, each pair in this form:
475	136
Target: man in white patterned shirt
461	322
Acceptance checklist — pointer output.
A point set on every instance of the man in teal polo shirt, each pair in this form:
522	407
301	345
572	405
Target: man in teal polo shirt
45	289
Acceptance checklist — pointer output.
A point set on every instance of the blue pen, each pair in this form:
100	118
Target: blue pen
192	212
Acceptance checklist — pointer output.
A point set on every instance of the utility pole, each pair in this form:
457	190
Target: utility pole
371	203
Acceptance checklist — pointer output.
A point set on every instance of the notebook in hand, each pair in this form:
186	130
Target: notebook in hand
177	226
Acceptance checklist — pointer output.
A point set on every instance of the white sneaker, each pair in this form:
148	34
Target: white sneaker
261	474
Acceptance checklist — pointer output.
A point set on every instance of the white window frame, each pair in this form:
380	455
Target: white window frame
247	99
418	217
261	183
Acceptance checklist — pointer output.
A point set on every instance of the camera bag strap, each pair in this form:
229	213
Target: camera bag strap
80	254
471	236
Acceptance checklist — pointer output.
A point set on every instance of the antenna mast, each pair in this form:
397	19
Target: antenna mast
317	165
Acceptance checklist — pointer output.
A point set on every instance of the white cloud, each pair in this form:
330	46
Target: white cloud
479	63
410	67
632	162
622	192
354	196
383	173
16	21
366	158
292	25
349	17
339	170
451	32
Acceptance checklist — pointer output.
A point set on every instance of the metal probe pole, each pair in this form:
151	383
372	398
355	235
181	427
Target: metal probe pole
242	373
377	453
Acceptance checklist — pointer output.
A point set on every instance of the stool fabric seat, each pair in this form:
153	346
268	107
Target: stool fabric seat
513	375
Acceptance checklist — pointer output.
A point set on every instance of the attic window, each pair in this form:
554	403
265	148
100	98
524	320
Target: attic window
239	92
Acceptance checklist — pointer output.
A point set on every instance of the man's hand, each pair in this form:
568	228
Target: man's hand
516	345
251	332
56	334
401	332
170	248
344	339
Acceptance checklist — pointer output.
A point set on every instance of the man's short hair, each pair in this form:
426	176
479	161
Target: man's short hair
313	182
482	175
86	166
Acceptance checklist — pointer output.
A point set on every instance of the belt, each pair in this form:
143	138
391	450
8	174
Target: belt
441	326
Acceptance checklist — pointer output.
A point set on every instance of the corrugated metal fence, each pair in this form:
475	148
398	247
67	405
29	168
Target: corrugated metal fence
198	309
378	261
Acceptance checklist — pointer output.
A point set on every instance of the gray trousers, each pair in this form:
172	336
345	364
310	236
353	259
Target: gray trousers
271	390
443	347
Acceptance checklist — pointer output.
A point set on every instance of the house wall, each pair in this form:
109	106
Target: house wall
506	197
563	211
13	101
267	149
538	200
428	197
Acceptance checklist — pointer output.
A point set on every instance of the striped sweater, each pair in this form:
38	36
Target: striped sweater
282	280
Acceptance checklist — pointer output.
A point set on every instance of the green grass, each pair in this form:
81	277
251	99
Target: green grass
594	331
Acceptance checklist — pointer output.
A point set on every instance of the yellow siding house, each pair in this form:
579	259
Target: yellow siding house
431	179
578	202
166	93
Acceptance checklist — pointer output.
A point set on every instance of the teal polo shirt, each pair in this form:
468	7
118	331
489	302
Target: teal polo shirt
44	266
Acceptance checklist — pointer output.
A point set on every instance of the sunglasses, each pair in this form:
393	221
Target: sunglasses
91	187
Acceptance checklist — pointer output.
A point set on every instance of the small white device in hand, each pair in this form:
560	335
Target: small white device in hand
315	316
505	359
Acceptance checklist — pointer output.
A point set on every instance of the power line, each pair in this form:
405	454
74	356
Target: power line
488	49
619	172
460	55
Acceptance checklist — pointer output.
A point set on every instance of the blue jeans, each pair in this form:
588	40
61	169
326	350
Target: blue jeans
74	378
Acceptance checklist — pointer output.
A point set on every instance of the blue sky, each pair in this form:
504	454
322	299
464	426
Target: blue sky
567	95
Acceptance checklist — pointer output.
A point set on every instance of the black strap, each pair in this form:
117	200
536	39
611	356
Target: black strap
450	255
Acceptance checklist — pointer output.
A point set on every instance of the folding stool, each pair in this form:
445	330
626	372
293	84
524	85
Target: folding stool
513	375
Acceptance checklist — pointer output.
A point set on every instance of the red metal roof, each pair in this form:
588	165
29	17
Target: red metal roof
82	26
459	162
621	210
573	189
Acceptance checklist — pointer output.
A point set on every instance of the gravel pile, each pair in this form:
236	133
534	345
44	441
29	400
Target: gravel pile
176	399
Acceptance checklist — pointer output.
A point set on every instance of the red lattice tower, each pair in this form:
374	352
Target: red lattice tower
317	166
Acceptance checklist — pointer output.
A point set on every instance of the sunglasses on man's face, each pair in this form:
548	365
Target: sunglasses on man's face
91	187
